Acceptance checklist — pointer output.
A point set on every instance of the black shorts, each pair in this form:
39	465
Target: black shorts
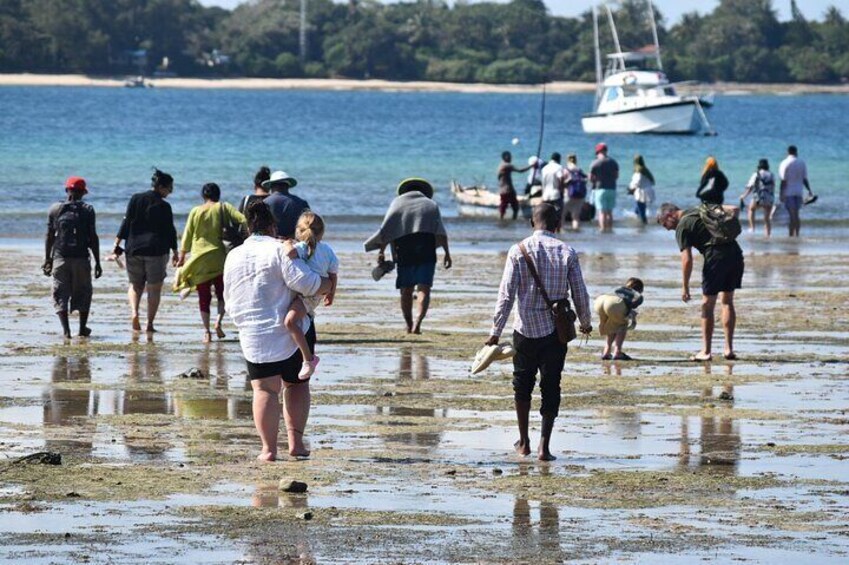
723	275
288	369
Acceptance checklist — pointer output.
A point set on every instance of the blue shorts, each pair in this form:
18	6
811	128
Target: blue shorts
793	202
412	275
605	199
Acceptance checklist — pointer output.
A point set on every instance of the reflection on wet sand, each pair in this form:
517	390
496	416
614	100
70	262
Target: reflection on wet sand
69	418
719	439
545	541
413	367
68	410
213	363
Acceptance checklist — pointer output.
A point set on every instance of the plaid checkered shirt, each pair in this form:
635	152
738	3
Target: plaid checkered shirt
560	271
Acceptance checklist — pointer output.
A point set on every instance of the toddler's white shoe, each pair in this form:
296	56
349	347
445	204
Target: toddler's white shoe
308	368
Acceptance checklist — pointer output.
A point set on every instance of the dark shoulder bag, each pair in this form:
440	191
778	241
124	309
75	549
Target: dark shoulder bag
231	232
564	316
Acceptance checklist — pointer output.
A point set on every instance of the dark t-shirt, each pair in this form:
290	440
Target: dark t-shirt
148	225
712	187
415	249
605	172
85	230
286	209
691	232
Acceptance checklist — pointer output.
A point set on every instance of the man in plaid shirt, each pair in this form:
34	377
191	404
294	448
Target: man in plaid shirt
534	334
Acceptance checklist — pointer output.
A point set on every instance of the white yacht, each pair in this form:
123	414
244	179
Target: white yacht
634	95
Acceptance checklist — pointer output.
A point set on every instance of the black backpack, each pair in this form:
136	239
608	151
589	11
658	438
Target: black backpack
71	230
723	226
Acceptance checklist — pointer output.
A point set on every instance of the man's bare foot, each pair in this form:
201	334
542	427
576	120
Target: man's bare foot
219	332
207	337
299	452
135	322
522	448
150	329
67	335
266	457
546	456
85	332
417	330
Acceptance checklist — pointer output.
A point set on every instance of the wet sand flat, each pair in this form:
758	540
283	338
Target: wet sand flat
659	460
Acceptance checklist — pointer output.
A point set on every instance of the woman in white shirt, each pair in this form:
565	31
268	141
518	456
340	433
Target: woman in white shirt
261	279
642	187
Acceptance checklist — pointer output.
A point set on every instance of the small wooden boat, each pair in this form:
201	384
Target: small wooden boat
478	200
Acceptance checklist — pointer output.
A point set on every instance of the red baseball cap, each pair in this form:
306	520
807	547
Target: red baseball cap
600	147
76	183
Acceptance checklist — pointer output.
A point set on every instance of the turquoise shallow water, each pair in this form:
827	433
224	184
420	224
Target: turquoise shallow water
349	149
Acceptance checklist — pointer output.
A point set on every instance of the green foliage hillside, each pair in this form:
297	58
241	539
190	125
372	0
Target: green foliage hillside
515	42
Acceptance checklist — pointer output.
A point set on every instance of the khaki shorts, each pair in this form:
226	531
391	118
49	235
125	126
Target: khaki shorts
612	314
142	270
71	284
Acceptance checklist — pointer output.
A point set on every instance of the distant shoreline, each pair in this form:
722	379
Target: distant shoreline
728	88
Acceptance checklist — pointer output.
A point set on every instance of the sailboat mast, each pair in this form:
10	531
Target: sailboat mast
598	76
620	59
654	35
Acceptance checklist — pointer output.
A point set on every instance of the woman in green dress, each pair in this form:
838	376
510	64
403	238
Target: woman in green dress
202	242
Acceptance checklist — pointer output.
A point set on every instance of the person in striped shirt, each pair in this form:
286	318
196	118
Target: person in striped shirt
534	334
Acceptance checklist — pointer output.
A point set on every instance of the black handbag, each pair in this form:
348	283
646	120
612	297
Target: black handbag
232	235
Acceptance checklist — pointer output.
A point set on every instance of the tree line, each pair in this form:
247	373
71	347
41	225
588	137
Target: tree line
516	42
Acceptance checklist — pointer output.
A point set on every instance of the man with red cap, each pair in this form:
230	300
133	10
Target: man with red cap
71	234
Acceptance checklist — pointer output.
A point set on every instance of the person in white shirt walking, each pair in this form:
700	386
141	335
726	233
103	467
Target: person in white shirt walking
642	187
552	183
261	279
794	180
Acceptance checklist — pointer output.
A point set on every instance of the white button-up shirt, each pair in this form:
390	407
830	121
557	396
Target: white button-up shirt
260	283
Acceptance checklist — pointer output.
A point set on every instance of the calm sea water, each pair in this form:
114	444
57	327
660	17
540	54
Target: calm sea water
350	149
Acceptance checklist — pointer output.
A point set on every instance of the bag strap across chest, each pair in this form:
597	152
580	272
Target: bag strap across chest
530	263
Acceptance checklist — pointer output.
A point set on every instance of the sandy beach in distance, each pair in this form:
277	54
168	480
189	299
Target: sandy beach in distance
560	87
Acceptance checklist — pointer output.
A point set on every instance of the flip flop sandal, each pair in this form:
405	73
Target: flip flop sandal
623	357
730	357
607	357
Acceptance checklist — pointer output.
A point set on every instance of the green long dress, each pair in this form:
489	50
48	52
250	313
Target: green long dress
202	239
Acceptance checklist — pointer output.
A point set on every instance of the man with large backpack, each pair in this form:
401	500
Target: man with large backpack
71	234
712	229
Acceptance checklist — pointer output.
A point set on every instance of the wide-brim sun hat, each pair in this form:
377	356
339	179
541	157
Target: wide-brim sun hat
488	354
278	178
415	184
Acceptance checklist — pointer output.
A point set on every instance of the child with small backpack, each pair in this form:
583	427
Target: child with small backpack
617	313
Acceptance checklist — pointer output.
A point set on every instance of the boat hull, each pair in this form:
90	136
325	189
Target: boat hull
678	118
481	202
